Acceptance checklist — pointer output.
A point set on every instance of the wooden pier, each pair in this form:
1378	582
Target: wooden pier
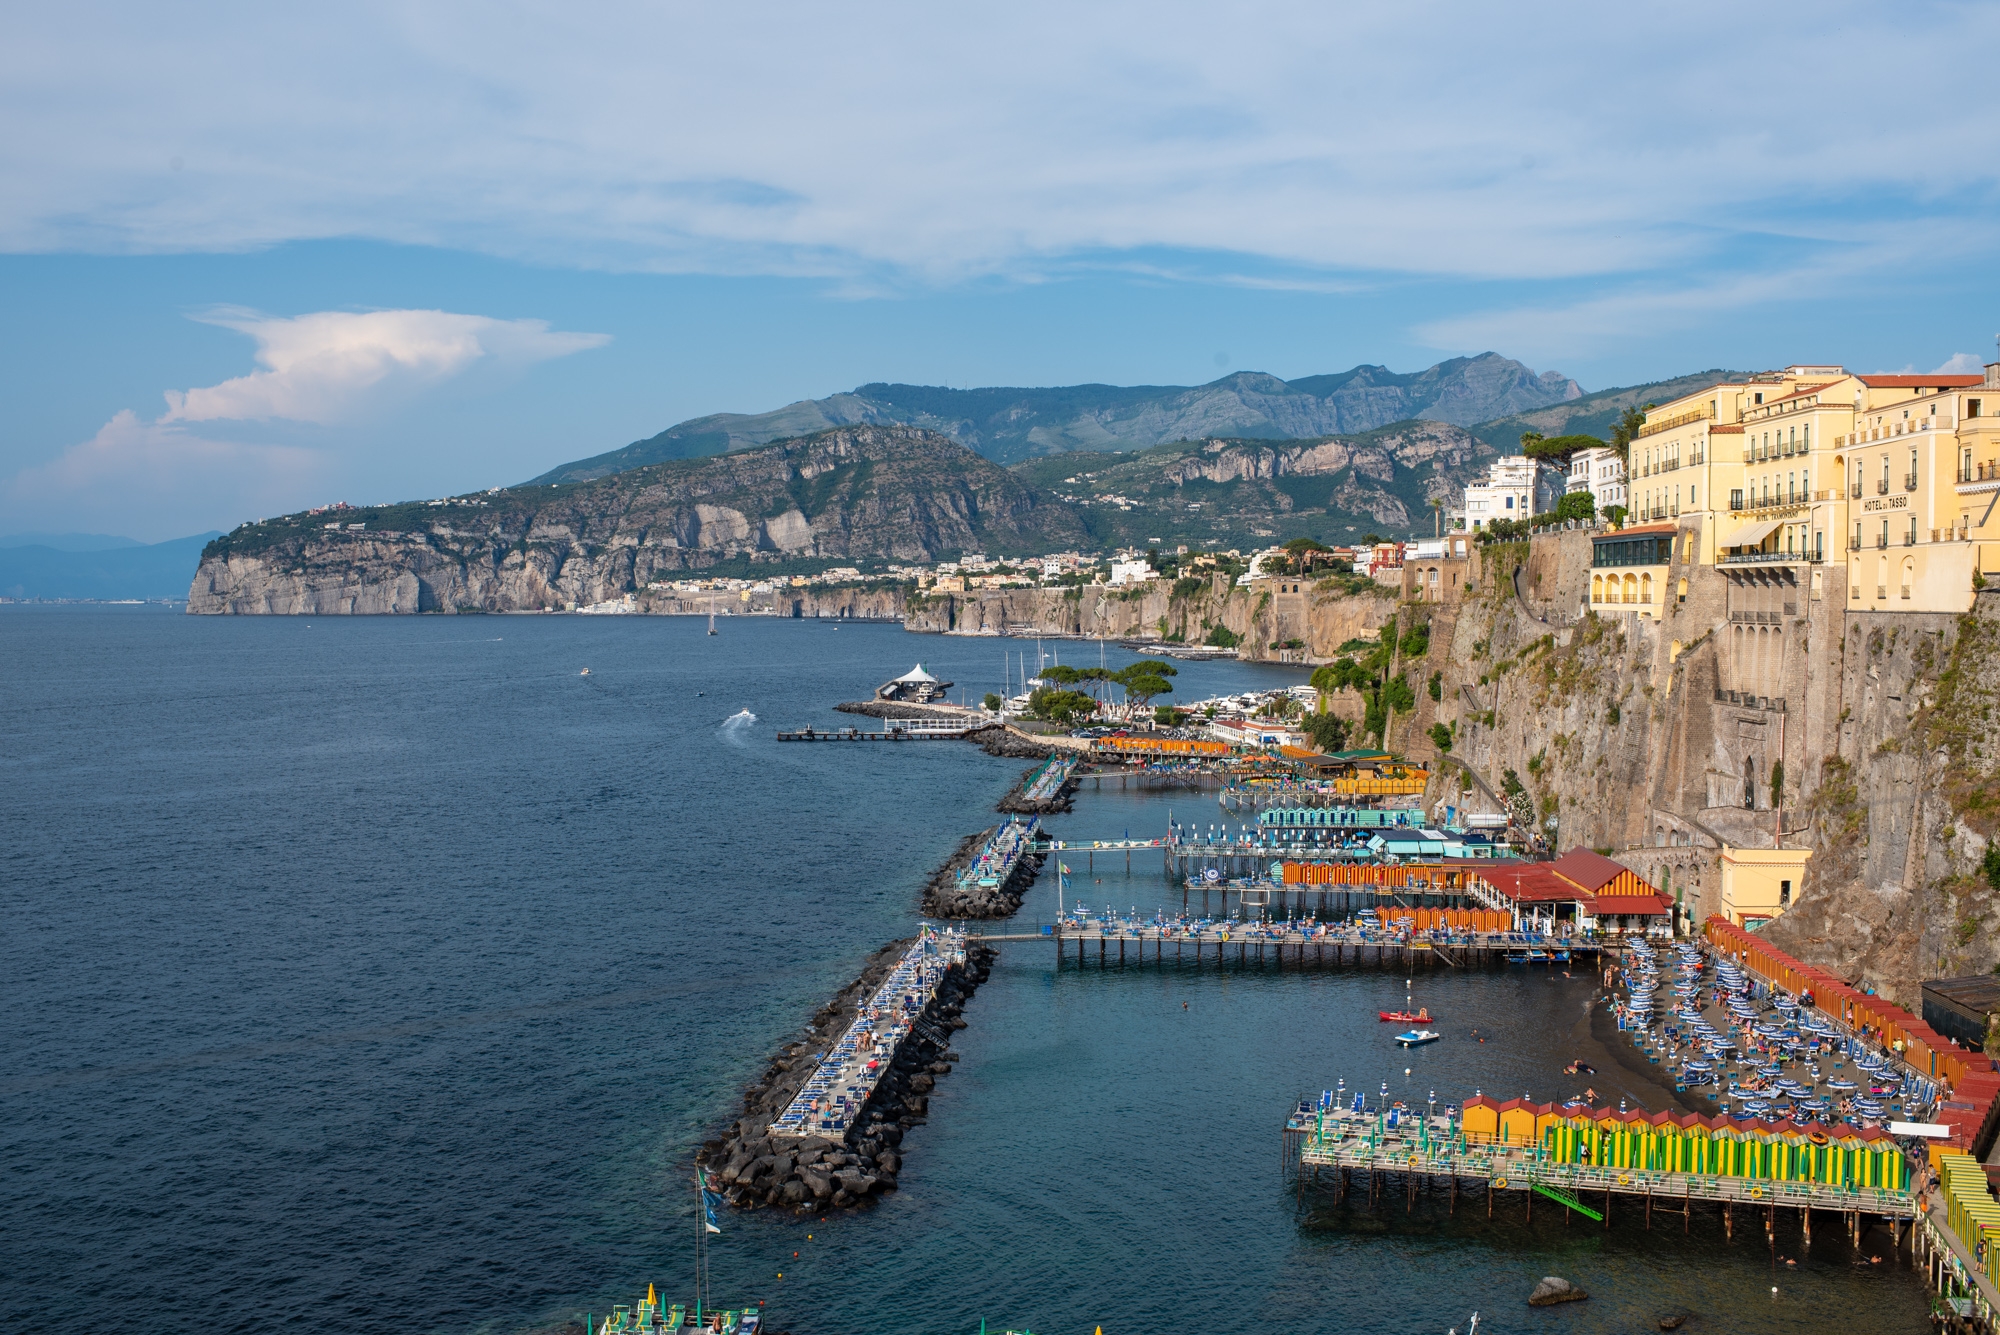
892	735
1311	946
1328	1151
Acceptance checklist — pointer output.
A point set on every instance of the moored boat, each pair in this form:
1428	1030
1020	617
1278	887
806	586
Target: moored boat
1422	1016
1418	1037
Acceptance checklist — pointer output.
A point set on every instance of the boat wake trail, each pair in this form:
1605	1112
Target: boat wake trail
737	726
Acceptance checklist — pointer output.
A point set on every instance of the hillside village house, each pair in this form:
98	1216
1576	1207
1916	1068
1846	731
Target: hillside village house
1601	472
1515	488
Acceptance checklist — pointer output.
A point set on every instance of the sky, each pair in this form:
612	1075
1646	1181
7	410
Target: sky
255	258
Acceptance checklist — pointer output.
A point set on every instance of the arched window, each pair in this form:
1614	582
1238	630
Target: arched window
1909	574
1631	589
1646	588
1597	588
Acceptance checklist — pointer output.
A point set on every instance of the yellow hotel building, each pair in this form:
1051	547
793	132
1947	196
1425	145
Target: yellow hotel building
1895	475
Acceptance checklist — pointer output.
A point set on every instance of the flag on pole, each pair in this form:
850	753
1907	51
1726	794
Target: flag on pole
709	1200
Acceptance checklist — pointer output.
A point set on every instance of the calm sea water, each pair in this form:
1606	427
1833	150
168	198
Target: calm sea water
381	975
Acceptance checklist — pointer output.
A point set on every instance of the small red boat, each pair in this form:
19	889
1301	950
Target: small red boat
1423	1016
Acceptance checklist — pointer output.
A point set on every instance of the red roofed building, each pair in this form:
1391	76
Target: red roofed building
1582	889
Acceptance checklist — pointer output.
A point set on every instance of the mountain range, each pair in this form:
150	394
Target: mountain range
96	565
1161	469
1009	426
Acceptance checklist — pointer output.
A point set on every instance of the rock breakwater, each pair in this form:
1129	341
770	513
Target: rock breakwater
754	1170
945	896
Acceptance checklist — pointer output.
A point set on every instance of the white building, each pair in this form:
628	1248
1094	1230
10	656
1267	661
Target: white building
1131	572
1600	472
1512	489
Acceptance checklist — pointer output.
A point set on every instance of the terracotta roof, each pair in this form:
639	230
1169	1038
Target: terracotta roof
1801	390
1733	429
1529	882
1919	381
1632	531
1587	870
1612	906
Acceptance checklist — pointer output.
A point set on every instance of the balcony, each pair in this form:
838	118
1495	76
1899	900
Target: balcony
1986	472
1769	559
1882	487
1909	482
1854	492
1697	458
1668	424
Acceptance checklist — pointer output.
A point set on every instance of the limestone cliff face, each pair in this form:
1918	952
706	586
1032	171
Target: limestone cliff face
895	492
1276	620
1661	740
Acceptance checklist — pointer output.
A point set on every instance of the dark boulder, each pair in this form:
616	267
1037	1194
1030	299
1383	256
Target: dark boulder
1553	1290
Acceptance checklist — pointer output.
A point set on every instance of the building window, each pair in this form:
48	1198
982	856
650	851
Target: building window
1972	407
1784	893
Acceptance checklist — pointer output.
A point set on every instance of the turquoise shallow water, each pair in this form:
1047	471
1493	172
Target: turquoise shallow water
380	975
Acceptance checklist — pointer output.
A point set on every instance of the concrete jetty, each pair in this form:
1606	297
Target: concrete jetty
837	1105
1046	788
833	1096
986	881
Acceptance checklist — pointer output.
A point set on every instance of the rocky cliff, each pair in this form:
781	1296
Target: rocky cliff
897	492
1758	702
1242	492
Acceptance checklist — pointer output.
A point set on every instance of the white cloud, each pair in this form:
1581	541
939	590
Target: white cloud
163	478
319	367
1962	363
925	143
153	481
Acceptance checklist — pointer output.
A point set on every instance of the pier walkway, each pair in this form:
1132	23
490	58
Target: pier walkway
835	1094
917	732
1301	943
1001	855
1328	1148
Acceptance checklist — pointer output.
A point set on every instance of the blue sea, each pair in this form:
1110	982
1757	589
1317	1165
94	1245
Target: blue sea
382	974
